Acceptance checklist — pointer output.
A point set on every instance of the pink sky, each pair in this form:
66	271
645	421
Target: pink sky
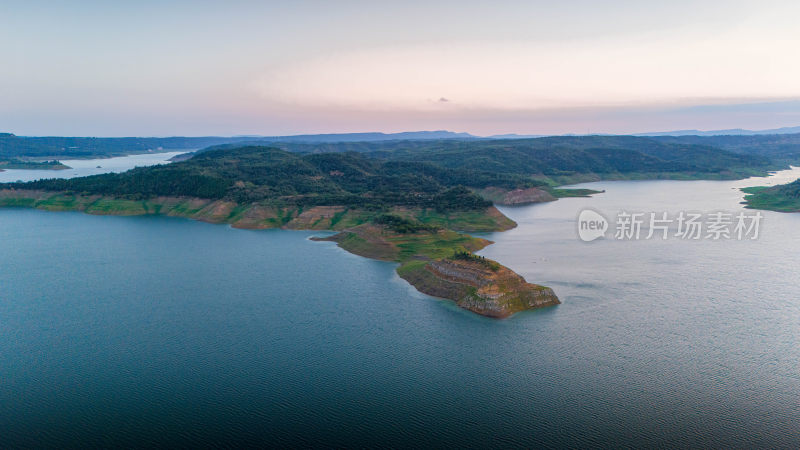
532	67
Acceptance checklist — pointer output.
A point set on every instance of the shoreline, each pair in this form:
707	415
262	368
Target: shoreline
427	257
433	258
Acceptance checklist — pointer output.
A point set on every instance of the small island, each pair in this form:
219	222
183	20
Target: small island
24	164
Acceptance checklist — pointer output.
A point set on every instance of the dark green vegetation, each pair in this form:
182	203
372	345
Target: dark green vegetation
559	159
404	225
782	198
784	148
434	177
431	174
569	159
258	174
461	255
605	156
566	193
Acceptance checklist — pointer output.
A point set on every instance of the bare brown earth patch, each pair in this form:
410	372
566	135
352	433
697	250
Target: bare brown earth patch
502	196
316	218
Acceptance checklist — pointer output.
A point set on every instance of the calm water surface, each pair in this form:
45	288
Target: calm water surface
85	167
154	331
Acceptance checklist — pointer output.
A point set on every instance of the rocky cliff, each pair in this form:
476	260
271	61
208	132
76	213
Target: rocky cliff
497	292
426	261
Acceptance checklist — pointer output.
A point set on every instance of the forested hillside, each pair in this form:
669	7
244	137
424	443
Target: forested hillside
545	155
555	156
781	147
430	174
253	173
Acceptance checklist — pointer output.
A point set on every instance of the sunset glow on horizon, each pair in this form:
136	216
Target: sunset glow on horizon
310	67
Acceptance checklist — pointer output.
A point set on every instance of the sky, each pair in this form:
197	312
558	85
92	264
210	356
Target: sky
196	68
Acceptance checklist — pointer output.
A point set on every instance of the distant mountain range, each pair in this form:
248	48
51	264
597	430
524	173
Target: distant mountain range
367	137
52	146
443	134
729	132
780	141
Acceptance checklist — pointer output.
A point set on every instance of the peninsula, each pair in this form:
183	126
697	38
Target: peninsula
781	198
407	213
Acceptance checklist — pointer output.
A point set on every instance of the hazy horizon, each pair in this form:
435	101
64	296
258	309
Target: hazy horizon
91	68
312	133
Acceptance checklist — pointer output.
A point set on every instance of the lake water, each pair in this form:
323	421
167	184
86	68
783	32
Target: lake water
85	167
153	331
